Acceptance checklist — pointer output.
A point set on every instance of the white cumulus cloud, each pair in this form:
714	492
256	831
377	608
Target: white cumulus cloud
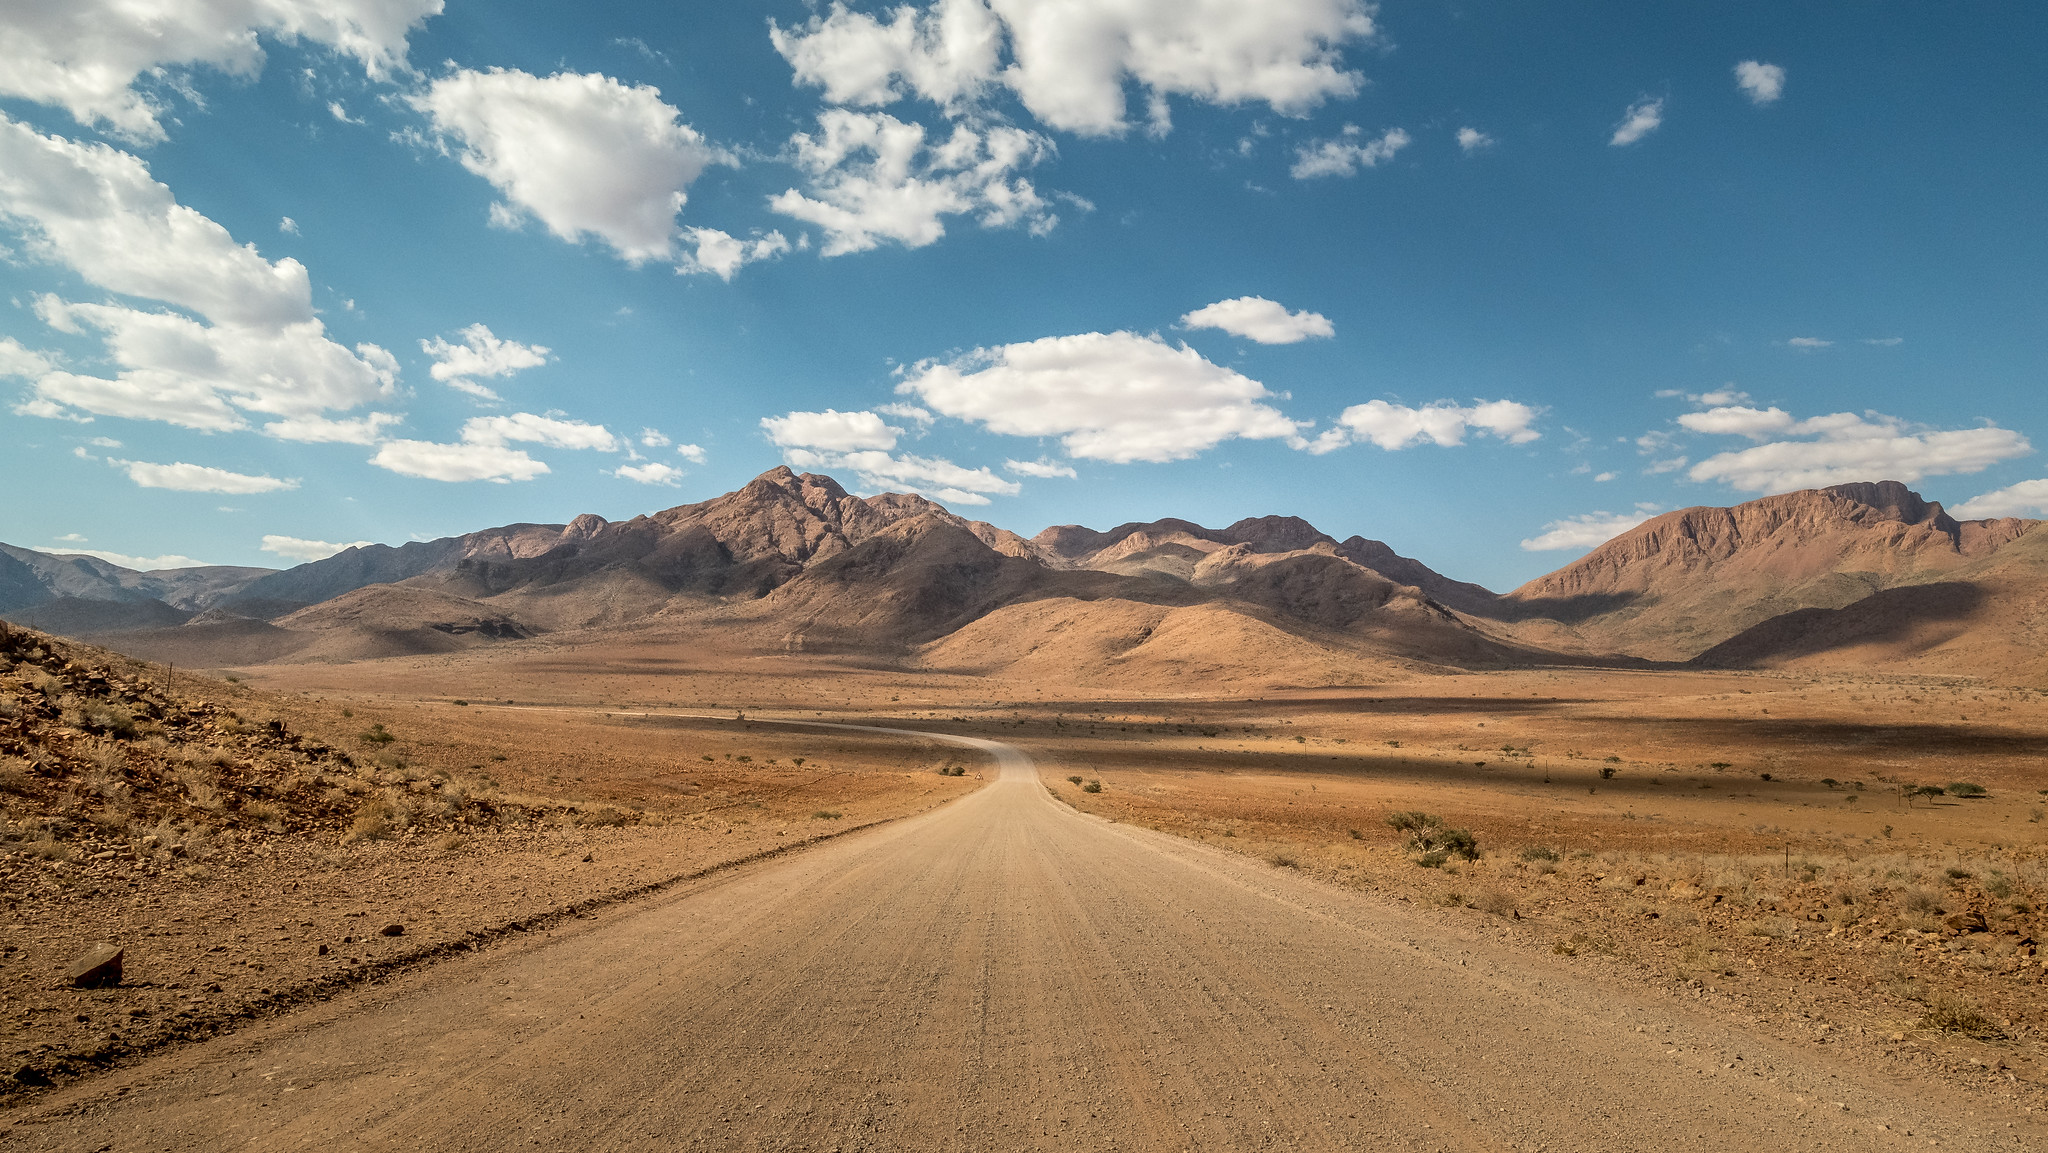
722	254
1445	423
182	477
1115	396
1472	140
653	472
366	429
934	477
831	430
1256	318
1073	62
586	154
1642	118
1042	468
1762	83
1345	155
303	550
85	56
1844	446
481	353
431	460
15	360
2027	498
485	450
1588	530
551	431
1739	420
691	452
874	178
98	212
1809	343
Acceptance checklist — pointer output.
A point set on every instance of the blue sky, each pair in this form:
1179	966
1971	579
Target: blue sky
1489	282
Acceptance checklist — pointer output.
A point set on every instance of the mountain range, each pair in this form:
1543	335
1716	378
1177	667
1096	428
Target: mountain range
1856	575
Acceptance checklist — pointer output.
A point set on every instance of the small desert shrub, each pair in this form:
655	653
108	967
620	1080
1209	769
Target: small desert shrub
1075	779
1919	901
1092	787
1606	772
9	710
1495	902
377	734
1356	835
201	788
1965	789
449	842
14	775
107	718
1951	1014
1958	874
264	813
1539	853
371	824
51	687
48	848
1285	860
825	815
1999	886
1428	835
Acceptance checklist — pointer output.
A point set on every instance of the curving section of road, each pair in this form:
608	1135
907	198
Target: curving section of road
1005	974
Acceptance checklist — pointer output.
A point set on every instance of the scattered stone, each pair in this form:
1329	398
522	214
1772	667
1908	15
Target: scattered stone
323	950
97	968
392	931
33	1077
1967	923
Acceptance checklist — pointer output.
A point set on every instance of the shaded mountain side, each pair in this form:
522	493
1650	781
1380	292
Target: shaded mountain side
1986	619
1173	547
1463	596
920	580
78	617
214	644
365	565
1908	620
29	577
1679	584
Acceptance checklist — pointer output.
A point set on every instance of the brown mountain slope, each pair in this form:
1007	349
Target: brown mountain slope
1677	585
1174	547
795	563
1987	618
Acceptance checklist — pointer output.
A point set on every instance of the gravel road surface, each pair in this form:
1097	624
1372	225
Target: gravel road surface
1003	973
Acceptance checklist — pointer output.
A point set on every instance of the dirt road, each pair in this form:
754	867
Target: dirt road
1003	973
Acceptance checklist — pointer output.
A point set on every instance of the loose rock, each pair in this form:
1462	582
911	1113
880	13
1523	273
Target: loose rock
97	968
393	930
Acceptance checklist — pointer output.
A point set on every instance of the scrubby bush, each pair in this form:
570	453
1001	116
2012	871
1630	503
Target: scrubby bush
1965	789
1952	1014
1428	835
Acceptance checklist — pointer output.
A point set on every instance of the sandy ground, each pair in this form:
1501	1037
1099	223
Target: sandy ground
240	926
1005	973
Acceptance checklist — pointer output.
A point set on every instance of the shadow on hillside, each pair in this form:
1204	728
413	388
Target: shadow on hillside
1891	615
1564	610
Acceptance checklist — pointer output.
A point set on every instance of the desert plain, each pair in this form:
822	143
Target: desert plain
801	820
1734	858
